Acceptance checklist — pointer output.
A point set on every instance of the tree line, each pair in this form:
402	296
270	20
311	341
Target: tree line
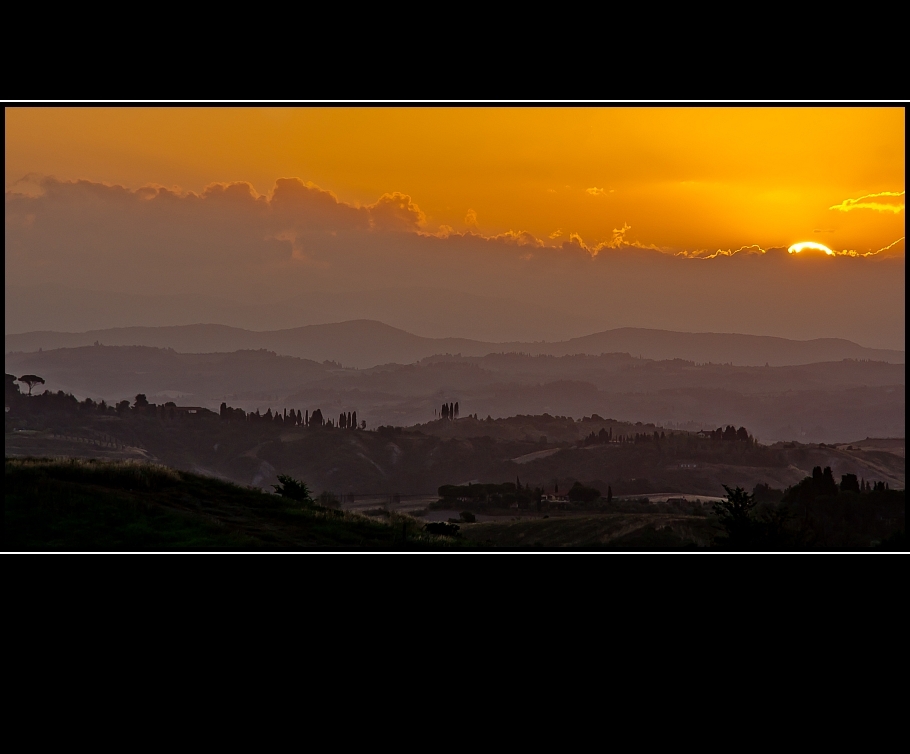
293	418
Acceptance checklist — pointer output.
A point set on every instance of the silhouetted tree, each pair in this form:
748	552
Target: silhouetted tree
354	419
733	514
141	401
293	489
31	380
582	494
765	493
456	409
849	483
609	494
11	389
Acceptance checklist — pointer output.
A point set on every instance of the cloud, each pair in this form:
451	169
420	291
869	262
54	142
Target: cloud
899	243
556	233
396	212
886	201
228	242
703	253
517	238
596	191
618	240
471	218
306	206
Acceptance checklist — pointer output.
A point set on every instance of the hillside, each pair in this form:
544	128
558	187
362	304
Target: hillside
367	343
418	460
124	506
825	402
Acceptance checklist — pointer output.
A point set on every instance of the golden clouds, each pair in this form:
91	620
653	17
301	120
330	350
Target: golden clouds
885	201
703	253
396	211
685	177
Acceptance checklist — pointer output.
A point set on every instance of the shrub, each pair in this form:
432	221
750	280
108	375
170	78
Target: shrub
293	489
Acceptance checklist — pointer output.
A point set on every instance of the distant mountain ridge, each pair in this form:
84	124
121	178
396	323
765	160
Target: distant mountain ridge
367	343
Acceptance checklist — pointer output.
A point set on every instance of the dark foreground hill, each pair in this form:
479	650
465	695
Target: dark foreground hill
79	505
90	505
367	343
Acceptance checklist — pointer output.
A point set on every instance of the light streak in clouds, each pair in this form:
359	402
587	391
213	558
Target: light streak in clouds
703	253
798	247
891	202
556	233
618	236
596	191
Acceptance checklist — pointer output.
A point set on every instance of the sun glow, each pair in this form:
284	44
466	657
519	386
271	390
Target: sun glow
798	247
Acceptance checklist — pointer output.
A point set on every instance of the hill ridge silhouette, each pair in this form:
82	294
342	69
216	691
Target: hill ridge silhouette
364	343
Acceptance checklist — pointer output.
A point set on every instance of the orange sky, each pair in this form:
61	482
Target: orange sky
683	179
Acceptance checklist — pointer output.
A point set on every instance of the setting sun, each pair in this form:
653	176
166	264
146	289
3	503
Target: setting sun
810	245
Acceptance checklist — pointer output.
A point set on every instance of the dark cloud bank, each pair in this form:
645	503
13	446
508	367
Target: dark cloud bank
300	256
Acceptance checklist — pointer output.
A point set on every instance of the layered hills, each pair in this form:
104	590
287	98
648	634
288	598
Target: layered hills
367	343
822	402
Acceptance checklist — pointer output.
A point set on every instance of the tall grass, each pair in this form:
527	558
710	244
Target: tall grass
128	474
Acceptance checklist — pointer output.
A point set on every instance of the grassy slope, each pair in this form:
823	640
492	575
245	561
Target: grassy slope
104	506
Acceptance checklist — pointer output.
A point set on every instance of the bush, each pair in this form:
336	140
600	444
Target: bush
293	489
